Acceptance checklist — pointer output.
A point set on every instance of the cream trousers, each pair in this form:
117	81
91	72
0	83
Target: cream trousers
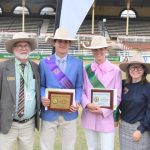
20	133
67	132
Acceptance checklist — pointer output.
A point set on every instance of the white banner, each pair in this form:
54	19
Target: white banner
73	13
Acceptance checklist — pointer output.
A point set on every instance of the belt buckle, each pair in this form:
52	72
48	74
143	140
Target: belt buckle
25	120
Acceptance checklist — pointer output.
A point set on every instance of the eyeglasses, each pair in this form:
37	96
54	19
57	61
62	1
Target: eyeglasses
137	68
22	46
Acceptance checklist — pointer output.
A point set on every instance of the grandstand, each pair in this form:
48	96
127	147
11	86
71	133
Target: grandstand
40	26
14	24
108	22
137	27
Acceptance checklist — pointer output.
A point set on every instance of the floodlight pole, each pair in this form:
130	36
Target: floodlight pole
127	21
23	14
93	16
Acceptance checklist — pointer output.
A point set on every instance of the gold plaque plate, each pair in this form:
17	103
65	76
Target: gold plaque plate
60	100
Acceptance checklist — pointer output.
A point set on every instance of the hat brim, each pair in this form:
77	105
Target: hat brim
95	47
124	66
50	40
10	43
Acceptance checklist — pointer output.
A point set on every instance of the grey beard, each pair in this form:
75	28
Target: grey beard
21	56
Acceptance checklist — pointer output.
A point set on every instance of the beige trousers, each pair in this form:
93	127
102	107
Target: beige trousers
67	132
20	133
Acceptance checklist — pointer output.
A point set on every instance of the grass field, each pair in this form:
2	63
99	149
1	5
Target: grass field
80	143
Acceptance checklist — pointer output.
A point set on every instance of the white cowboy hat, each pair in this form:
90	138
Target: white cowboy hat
136	59
60	34
97	42
20	37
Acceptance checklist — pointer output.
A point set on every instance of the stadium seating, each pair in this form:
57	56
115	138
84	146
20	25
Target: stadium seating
117	27
40	28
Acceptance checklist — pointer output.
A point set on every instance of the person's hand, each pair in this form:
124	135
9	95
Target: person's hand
45	101
74	108
94	108
136	136
97	110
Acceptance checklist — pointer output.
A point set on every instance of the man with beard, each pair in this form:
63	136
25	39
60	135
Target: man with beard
19	95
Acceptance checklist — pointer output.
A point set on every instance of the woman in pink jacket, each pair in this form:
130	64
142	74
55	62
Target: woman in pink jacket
98	123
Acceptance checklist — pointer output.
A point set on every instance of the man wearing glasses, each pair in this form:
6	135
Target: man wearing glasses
19	95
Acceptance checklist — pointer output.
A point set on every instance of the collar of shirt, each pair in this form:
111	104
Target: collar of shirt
106	66
58	58
18	62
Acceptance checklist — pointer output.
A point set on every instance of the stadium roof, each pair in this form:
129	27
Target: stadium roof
103	7
139	3
134	3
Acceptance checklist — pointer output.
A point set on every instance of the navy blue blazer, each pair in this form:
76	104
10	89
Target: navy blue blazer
74	71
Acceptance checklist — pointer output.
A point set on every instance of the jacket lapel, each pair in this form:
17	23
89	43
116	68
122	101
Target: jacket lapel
68	65
11	78
36	76
34	70
35	73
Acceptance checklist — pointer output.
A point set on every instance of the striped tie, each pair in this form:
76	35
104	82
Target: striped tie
20	111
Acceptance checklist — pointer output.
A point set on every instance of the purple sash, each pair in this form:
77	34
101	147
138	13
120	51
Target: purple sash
60	76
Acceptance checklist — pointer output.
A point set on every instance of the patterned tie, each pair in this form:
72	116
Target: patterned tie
61	63
20	111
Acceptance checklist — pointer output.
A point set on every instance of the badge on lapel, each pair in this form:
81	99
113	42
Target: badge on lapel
125	90
11	78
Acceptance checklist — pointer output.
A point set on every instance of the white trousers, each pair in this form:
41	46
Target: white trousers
99	140
20	133
67	132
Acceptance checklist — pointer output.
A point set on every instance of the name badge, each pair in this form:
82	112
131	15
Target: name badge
28	96
11	78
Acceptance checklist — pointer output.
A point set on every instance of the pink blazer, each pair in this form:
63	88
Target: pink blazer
110	77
